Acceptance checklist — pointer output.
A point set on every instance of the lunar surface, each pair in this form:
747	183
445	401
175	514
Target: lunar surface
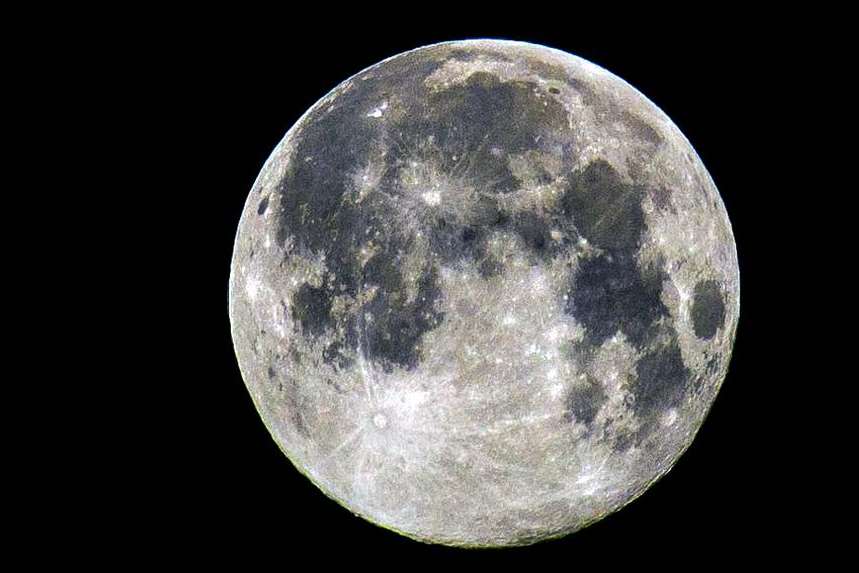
483	293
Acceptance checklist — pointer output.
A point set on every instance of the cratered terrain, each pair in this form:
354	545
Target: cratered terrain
484	293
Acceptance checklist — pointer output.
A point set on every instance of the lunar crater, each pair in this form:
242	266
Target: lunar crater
484	293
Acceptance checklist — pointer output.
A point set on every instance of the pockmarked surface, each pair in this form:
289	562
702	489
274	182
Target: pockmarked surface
483	293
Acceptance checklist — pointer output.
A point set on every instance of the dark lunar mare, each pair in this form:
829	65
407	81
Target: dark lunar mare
708	309
319	213
583	402
612	292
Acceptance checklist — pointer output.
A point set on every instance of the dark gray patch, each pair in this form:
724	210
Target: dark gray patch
535	231
488	213
661	197
605	210
263	205
338	352
611	294
469	119
336	142
455	242
584	402
624	439
489	267
662	382
391	325
312	307
318	215
708	309
662	379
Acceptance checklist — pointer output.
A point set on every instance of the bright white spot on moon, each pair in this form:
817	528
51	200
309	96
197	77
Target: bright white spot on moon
379	110
591	478
670	417
432	197
412	399
277	319
380	421
252	285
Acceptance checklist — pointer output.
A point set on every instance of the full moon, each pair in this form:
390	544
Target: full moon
483	293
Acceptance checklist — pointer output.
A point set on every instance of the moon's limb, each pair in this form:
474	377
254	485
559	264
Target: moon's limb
484	293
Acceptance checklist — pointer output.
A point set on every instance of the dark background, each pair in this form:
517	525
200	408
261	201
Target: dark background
213	98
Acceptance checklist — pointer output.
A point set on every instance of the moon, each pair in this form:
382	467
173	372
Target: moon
483	293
